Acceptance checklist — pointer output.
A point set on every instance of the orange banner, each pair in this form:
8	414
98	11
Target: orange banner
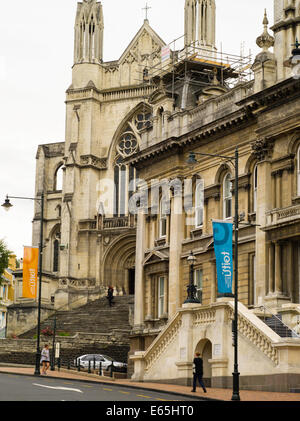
30	272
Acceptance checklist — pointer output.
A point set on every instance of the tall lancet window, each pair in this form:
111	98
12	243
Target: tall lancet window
92	38
125	176
88	32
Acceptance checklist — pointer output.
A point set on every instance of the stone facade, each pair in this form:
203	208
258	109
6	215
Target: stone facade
260	117
131	124
89	236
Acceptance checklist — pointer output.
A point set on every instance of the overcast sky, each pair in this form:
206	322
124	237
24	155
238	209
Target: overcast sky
36	56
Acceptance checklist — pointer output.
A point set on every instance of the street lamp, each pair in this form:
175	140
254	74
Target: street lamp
235	162
191	289
7	205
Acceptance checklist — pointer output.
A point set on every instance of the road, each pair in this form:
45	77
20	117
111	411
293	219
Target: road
28	388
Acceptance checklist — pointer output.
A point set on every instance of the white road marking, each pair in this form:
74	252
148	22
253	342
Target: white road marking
59	388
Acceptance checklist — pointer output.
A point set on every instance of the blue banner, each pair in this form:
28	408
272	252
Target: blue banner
222	232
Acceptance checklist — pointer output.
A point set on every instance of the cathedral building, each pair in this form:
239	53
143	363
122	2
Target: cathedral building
124	207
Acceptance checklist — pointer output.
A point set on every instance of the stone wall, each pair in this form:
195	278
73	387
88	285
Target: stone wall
20	351
23	317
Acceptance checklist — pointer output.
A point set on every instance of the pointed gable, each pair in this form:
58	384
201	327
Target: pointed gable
146	41
155	257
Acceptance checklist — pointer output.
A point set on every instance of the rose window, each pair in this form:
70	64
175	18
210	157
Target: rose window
128	144
142	120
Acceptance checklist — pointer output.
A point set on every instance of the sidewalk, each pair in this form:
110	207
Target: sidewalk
215	394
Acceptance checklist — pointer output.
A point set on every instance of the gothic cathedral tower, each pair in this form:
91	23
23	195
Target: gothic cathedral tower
200	23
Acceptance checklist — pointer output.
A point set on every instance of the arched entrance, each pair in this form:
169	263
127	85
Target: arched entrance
205	348
118	268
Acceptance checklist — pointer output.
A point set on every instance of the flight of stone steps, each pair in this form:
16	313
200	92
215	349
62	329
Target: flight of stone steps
275	323
93	317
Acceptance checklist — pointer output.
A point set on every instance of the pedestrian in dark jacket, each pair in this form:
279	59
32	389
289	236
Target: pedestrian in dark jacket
110	295
198	372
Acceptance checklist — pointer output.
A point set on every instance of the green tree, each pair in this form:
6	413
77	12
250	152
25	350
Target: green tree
4	257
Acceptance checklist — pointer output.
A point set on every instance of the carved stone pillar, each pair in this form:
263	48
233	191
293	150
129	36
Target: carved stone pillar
289	267
150	298
271	268
278	268
139	269
262	149
176	237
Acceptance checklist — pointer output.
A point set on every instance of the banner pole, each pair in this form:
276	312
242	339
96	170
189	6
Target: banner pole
235	394
38	351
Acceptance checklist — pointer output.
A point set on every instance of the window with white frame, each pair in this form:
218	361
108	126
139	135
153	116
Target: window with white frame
298	171
161	295
162	219
255	181
198	282
227	196
199	203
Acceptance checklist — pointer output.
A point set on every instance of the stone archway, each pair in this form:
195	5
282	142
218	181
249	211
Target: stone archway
119	264
205	348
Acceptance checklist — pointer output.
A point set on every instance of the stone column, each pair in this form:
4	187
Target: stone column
271	267
289	266
149	306
165	313
176	237
214	281
262	149
278	269
139	269
126	286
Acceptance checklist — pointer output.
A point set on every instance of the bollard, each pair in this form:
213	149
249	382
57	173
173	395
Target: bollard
58	363
78	365
94	363
89	370
69	365
100	369
111	369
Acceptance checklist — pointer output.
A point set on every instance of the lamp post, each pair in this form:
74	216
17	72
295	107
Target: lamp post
53	345
235	162
191	289
7	205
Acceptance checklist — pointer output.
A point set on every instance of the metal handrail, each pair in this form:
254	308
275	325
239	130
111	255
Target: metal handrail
277	318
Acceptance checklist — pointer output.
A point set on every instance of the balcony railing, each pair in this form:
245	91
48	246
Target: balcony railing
279	216
117	222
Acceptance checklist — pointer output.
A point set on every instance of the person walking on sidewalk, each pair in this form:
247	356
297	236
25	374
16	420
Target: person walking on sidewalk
45	359
198	372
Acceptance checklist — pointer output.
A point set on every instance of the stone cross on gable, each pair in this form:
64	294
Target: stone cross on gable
146	9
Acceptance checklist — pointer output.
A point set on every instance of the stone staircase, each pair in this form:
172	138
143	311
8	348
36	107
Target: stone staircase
276	324
93	317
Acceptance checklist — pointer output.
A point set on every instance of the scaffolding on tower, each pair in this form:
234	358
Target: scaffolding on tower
211	66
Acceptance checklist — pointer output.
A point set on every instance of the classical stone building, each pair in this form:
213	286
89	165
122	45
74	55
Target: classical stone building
222	111
131	125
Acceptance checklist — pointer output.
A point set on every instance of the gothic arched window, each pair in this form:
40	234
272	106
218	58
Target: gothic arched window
58	179
55	255
125	176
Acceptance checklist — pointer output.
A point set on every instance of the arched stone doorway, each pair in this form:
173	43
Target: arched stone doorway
118	267
205	348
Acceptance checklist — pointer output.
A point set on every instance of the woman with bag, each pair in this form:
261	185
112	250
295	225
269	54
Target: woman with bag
45	359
